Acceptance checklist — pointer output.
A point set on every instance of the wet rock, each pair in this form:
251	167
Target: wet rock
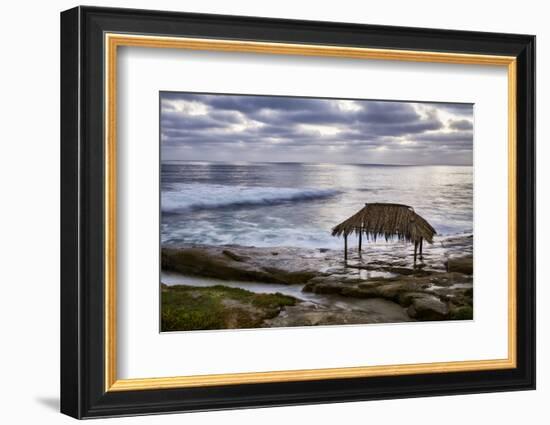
291	277
196	261
448	279
336	284
393	290
233	256
461	265
406	298
401	290
442	284
323	287
428	307
306	316
310	314
241	264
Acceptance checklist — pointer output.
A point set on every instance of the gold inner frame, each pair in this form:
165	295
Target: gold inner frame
113	41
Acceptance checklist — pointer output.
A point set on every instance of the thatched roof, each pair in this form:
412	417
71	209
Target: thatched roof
388	221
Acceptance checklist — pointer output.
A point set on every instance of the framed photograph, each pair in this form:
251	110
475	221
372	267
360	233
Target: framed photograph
261	212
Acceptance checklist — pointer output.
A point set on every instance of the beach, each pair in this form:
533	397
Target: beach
249	245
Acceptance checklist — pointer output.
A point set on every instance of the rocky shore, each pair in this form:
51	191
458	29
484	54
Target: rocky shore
379	285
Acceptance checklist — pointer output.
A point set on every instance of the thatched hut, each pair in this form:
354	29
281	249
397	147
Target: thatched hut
388	221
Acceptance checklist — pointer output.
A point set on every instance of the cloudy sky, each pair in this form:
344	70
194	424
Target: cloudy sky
232	128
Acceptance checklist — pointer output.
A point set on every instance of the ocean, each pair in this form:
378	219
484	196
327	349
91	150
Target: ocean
297	204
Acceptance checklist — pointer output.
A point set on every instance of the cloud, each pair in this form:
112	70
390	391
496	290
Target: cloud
460	109
461	125
276	128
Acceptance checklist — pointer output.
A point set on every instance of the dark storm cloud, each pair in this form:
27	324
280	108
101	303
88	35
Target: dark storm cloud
461	125
269	128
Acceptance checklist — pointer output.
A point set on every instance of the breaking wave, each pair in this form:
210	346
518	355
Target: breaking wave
196	196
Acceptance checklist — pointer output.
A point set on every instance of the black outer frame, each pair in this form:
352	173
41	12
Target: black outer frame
82	217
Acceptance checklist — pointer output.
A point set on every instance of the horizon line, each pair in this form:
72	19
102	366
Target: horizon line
318	163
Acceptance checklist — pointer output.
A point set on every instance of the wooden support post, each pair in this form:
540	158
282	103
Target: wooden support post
415	248
360	240
346	247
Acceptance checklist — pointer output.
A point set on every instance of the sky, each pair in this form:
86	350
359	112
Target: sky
239	128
